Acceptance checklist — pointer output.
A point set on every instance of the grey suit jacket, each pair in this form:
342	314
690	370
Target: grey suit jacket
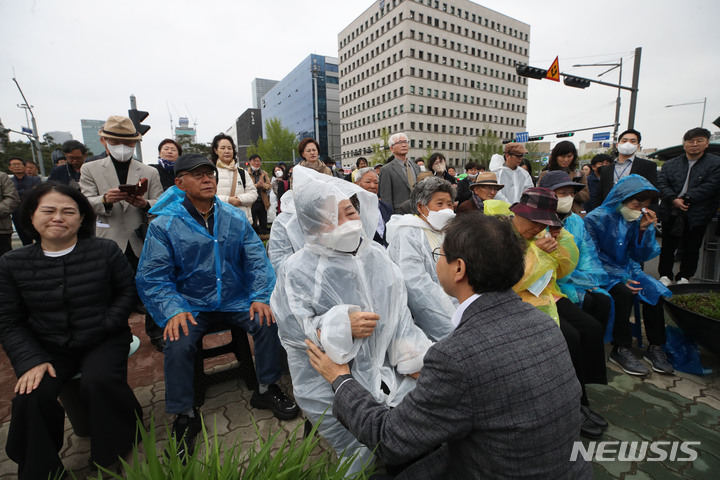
394	188
118	224
497	398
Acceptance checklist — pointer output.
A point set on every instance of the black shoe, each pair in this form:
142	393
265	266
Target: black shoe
282	406
159	343
655	356
594	417
185	429
625	359
588	429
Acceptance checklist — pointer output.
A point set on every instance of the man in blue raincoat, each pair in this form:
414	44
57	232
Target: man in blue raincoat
203	263
623	229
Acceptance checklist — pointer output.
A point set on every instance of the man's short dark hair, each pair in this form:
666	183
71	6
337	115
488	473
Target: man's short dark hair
254	156
32	199
361	159
633	131
71	145
17	158
494	254
696	132
470	165
600	158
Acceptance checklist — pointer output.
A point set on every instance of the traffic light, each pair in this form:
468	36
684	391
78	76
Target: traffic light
566	134
137	116
577	82
531	72
534	139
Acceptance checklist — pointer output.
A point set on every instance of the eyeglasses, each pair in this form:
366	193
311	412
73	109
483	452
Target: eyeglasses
401	142
696	141
436	254
199	174
518	155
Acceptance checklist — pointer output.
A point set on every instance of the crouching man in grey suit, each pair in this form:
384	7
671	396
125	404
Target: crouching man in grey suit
497	398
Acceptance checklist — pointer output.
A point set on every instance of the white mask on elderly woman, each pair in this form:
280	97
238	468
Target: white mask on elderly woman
629	214
437	220
345	238
565	204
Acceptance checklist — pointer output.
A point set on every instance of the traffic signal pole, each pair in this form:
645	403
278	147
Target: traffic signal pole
633	95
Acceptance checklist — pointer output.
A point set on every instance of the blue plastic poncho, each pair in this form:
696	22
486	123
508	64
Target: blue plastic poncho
621	249
185	269
318	287
589	273
411	242
285	235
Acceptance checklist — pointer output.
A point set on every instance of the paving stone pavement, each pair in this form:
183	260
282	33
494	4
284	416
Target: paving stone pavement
681	407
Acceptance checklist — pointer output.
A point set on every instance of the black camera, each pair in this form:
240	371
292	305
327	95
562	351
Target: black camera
687	199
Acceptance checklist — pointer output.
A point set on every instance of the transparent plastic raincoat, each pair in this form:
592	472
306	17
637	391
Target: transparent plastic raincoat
285	235
318	287
185	269
620	248
411	249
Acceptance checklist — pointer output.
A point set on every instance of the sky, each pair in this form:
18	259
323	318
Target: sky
84	58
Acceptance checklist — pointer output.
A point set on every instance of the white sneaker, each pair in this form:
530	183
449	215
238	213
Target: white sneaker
683	281
665	281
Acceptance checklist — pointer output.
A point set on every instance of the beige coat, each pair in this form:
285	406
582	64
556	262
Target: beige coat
121	221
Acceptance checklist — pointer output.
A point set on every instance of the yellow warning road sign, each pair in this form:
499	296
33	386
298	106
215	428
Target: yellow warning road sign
553	72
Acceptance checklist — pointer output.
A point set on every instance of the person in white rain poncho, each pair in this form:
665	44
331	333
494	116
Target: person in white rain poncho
285	235
342	292
412	240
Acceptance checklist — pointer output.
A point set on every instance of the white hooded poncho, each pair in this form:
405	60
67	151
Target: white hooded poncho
316	290
410	249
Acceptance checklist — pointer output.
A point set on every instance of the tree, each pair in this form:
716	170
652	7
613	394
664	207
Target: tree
277	146
380	151
535	156
22	149
485	146
188	146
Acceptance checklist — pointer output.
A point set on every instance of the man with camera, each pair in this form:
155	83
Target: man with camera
690	191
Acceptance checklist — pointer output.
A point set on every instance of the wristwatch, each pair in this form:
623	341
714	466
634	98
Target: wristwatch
340	380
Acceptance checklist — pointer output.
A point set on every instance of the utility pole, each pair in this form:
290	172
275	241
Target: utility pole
634	91
35	129
138	148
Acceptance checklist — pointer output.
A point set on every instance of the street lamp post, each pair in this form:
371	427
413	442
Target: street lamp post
35	130
617	102
704	102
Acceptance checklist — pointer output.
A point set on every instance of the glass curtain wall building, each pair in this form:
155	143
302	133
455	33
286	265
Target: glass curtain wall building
306	101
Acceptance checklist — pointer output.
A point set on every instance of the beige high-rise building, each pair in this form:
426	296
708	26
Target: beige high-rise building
441	71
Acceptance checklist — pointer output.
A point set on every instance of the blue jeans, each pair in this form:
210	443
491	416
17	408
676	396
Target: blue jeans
180	356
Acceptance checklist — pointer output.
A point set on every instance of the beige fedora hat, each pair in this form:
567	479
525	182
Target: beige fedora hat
119	127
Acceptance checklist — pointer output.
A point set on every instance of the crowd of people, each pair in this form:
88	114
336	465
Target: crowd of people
439	325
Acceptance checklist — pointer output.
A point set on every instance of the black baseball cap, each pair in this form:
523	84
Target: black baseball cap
191	161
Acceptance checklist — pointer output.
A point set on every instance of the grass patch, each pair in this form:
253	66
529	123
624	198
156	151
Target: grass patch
707	304
276	458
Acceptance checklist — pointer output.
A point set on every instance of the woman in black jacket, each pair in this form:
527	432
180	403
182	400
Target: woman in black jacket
64	307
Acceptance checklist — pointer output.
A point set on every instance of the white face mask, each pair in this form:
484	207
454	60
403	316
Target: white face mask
627	148
254	169
565	204
629	214
279	174
472	176
439	168
345	238
121	153
422	168
438	219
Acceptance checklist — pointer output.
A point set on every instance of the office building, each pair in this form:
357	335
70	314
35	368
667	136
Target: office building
306	102
443	72
261	86
60	137
91	139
